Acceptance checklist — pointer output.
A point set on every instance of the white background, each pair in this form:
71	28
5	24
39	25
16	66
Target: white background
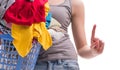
106	15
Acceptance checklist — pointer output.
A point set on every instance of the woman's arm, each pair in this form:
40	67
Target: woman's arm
78	30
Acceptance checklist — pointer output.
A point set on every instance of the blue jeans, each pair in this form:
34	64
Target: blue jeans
57	65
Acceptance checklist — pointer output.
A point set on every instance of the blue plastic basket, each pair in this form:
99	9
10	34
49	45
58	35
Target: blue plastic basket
10	59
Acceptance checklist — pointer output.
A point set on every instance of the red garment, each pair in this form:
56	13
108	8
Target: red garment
25	12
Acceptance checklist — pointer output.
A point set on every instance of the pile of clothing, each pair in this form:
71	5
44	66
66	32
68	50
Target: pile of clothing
27	21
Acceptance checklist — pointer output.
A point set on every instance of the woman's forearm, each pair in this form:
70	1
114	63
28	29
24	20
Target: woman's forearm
86	52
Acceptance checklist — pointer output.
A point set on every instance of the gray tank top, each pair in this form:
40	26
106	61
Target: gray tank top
63	48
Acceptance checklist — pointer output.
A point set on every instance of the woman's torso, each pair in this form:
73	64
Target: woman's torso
62	48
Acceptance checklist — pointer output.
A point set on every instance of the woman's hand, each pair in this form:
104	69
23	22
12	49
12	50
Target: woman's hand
94	49
97	45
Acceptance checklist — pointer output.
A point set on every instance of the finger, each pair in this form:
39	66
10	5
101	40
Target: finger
93	32
94	40
101	48
95	44
98	45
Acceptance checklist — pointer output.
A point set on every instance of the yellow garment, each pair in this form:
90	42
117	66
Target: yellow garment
23	35
47	8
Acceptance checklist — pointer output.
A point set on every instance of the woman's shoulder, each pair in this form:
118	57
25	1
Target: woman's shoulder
77	5
77	2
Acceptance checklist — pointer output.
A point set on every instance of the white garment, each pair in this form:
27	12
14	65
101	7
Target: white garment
55	35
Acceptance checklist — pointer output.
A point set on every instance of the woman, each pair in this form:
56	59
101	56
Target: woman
62	55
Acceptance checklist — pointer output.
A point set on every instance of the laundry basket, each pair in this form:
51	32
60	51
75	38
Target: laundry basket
10	59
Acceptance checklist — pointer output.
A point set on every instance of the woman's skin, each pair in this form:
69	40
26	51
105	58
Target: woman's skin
84	50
